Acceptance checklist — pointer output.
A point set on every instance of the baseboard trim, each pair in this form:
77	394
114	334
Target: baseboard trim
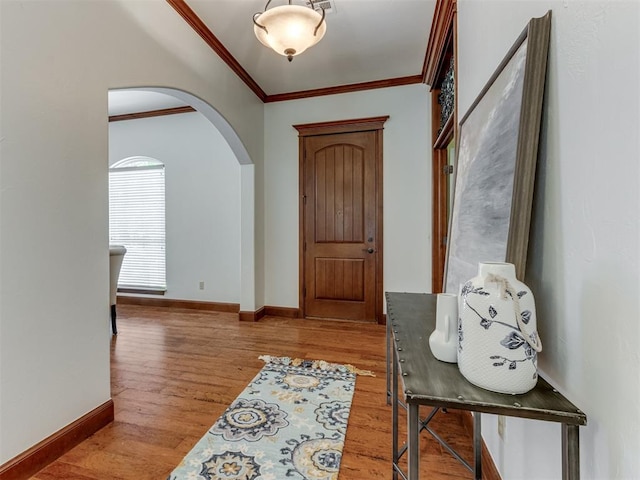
168	302
489	470
248	316
287	312
43	453
245	315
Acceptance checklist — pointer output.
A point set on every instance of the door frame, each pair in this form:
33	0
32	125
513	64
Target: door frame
442	46
375	124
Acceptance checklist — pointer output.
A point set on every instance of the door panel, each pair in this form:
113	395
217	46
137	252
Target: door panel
339	172
340	225
339	279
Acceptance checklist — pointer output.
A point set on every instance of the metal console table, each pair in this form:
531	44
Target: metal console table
430	382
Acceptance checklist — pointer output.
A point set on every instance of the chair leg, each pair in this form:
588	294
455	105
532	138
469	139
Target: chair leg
114	330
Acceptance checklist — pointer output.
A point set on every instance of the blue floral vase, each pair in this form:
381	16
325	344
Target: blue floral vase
498	340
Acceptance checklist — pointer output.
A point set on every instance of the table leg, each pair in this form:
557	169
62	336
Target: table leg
413	441
477	445
388	359
394	409
570	452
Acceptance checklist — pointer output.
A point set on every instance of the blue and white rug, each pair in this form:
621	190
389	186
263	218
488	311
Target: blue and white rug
290	422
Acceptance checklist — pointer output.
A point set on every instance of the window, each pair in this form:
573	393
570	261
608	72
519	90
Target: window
137	221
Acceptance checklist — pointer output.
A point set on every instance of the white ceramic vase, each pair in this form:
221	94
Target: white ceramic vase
444	339
498	341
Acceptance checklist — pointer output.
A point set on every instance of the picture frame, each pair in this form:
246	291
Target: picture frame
496	156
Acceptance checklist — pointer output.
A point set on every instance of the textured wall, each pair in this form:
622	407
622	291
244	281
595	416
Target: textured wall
59	59
583	261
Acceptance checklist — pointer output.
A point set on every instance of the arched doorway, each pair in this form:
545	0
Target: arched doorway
245	209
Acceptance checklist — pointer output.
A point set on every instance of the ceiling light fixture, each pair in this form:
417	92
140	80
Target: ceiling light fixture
289	29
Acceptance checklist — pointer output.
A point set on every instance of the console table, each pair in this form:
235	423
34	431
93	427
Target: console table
430	382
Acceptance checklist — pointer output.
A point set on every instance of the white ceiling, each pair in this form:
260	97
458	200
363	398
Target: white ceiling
366	40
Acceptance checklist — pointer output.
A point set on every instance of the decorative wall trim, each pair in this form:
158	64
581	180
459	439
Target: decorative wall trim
142	291
287	312
247	316
439	37
489	470
284	312
445	136
168	302
151	113
40	455
353	87
341	126
201	29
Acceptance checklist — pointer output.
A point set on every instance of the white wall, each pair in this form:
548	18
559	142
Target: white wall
583	264
202	195
407	185
59	59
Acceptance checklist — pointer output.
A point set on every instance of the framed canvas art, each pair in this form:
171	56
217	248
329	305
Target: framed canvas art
496	162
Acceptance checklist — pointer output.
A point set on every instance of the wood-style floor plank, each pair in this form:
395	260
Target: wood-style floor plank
174	371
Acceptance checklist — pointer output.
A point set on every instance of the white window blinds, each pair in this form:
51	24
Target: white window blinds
137	221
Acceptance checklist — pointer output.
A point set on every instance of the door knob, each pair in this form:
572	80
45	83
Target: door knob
370	250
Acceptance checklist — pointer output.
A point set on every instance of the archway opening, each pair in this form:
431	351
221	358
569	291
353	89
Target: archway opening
210	207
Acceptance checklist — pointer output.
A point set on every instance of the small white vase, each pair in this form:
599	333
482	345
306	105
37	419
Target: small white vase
444	339
498	341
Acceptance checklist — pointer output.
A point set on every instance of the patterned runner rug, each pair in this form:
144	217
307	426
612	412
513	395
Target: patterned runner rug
290	422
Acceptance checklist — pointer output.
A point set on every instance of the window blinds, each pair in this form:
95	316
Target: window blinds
137	221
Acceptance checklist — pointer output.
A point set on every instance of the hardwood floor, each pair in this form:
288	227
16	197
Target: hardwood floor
174	371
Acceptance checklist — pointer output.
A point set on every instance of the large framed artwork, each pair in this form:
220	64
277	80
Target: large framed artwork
496	162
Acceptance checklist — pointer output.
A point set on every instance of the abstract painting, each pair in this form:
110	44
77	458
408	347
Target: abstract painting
495	162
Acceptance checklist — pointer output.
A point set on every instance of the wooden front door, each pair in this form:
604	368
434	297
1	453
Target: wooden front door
341	237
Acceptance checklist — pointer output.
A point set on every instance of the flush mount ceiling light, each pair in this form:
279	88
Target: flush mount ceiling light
289	29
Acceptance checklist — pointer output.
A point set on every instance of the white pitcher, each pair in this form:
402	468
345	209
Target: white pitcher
444	339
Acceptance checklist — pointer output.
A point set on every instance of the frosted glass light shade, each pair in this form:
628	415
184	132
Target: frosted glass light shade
290	29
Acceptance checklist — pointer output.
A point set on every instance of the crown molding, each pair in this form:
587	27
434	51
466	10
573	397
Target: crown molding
439	37
201	29
349	88
151	113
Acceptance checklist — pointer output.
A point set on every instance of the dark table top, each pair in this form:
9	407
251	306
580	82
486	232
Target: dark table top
428	381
